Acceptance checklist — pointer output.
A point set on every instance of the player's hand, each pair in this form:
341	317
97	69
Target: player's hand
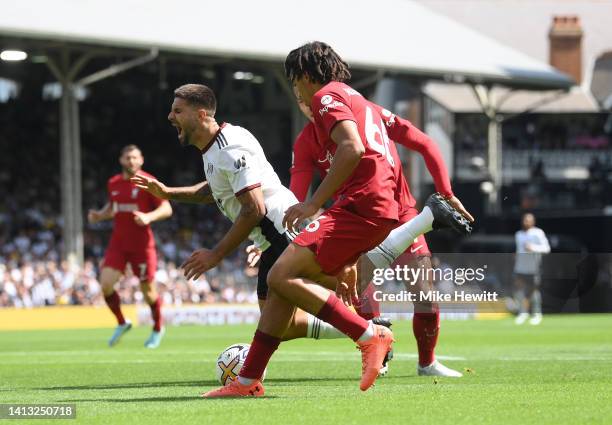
296	214
141	218
253	255
456	204
529	247
200	261
346	289
151	185
93	216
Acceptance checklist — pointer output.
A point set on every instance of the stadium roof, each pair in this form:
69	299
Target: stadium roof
395	35
462	99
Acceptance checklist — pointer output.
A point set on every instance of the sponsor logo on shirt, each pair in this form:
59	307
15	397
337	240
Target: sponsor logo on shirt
210	169
114	193
326	100
125	207
240	163
332	105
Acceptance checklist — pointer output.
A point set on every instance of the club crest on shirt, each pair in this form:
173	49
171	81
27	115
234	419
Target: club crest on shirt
240	163
134	193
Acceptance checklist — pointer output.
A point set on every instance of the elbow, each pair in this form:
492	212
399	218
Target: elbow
168	210
254	212
355	150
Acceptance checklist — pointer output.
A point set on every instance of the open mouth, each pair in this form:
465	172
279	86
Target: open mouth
179	130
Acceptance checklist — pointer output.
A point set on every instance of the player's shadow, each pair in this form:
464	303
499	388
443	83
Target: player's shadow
146	399
208	383
131	400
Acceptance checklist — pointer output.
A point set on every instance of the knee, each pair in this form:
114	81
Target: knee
277	278
148	293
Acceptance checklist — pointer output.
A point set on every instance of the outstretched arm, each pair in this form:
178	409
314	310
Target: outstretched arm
160	213
197	194
252	210
403	132
104	213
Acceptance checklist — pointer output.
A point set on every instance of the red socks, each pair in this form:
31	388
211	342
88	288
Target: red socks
156	314
366	306
425	327
340	317
114	303
262	348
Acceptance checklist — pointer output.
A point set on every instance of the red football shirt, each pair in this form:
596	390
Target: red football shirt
308	157
370	190
125	198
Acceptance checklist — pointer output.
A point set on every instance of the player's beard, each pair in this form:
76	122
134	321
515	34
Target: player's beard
186	140
129	172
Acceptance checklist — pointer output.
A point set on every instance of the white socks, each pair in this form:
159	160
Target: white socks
400	239
369	333
318	329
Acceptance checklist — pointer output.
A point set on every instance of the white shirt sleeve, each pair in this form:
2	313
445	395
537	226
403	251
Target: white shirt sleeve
541	246
241	168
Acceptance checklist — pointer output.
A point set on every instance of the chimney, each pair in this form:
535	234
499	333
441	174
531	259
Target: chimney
565	38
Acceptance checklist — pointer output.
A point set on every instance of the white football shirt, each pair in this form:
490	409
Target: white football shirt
234	163
528	262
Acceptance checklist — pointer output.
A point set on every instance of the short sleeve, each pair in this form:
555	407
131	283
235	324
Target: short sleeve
302	167
241	169
329	107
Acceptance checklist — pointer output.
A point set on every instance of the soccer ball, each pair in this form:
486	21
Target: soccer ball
230	362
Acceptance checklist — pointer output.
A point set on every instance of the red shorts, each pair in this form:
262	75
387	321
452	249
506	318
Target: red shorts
143	262
338	237
419	248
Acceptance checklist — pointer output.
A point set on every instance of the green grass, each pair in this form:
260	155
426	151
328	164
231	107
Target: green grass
557	373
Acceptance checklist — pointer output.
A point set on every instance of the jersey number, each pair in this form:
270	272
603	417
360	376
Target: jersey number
377	137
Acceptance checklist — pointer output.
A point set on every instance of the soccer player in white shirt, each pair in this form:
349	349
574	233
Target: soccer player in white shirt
247	190
531	243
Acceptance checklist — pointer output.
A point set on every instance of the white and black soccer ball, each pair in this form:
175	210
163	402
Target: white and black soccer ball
230	362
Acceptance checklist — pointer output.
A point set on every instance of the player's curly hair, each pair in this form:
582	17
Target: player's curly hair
318	61
198	95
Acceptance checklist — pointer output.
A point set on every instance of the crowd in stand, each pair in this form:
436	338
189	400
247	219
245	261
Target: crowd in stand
31	270
537	132
32	274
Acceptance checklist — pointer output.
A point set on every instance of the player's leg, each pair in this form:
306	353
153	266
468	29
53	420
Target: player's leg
436	214
520	299
302	325
426	318
291	283
144	265
293	277
112	270
535	300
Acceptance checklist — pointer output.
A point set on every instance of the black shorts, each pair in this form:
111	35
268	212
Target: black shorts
278	243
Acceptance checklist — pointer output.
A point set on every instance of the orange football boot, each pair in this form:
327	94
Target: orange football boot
235	389
373	352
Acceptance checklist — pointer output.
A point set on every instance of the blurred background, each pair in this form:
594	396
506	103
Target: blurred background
518	95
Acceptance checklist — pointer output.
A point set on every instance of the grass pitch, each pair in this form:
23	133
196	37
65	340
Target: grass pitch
557	373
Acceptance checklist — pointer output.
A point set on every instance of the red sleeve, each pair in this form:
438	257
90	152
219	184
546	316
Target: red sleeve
405	133
108	190
303	167
330	106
